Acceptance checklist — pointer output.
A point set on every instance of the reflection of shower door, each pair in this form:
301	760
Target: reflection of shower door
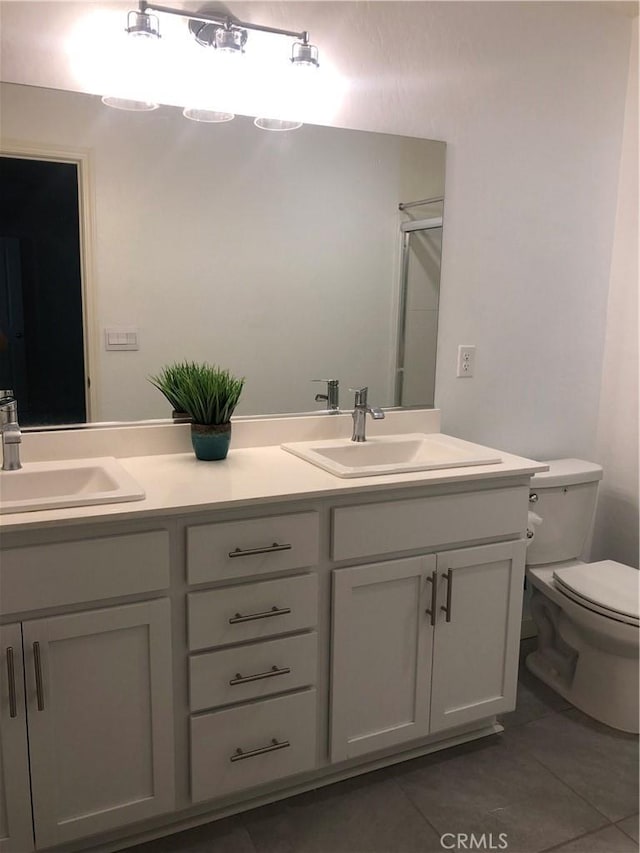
418	312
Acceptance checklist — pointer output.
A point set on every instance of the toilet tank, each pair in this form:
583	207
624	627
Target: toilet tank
565	498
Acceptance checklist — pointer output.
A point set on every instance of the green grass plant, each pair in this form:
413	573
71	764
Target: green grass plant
207	393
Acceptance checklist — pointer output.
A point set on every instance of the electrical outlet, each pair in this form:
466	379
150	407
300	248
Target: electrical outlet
466	360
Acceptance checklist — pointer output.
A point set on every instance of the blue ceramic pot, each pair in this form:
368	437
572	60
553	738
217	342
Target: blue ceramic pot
211	441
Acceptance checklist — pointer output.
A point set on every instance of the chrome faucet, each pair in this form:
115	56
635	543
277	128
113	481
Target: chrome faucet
360	410
11	436
332	396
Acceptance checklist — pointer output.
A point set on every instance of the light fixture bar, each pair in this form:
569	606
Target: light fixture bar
223	21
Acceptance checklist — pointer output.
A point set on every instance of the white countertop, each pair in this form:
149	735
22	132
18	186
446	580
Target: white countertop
178	483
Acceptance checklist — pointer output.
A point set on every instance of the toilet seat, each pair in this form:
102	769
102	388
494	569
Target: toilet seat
606	587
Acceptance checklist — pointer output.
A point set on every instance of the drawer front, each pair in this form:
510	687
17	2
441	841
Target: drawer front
88	570
251	672
254	611
243	747
381	528
252	547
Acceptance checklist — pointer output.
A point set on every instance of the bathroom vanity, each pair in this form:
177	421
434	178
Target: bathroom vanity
250	630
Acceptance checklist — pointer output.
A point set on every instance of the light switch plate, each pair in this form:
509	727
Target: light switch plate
121	338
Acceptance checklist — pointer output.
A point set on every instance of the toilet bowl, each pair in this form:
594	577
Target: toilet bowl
586	614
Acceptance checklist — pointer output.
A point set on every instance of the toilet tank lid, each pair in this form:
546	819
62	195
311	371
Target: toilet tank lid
566	472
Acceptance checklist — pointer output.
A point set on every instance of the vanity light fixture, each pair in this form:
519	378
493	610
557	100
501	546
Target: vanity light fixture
223	33
304	55
143	25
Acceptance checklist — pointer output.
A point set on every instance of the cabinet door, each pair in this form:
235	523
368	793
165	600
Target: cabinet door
475	654
99	697
16	827
381	655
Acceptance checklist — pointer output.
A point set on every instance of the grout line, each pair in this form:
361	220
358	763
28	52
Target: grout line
415	807
565	783
577	838
617	824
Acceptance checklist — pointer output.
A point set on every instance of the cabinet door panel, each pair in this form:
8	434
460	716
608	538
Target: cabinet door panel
381	656
475	655
101	737
16	827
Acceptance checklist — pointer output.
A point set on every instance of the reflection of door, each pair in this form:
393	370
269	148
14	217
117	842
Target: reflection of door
13	369
41	305
418	312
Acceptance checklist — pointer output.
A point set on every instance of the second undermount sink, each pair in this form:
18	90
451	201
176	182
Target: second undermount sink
392	454
65	483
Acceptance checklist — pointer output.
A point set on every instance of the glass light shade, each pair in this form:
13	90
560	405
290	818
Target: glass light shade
276	124
129	104
143	25
209	116
304	55
230	41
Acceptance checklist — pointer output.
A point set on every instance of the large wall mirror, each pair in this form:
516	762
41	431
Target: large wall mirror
282	256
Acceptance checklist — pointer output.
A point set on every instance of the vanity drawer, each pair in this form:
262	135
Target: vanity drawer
251	547
384	528
251	672
253	611
251	745
40	576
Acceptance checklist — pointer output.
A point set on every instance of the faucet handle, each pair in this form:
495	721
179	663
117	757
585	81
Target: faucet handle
361	395
332	395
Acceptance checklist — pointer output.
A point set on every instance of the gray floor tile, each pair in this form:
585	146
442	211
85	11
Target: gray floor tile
599	763
221	836
497	790
607	840
358	816
534	700
630	826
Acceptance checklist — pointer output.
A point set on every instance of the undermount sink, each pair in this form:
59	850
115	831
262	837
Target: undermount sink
69	482
391	454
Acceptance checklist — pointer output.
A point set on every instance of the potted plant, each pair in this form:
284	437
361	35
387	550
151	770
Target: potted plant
168	381
208	395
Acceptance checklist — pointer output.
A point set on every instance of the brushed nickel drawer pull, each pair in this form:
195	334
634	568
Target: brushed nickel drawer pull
447	607
11	677
269	549
275	611
240	754
433	580
269	673
37	662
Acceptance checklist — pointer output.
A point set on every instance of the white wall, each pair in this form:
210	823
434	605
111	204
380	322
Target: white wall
617	515
532	184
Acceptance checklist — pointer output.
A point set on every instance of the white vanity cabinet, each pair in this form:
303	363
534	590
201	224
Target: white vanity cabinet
427	643
254	652
87	696
296	642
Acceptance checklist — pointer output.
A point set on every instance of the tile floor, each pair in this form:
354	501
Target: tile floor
555	780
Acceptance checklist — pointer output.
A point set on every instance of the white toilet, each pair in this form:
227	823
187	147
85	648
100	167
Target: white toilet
586	613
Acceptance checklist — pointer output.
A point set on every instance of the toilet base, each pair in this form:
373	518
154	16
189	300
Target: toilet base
621	713
588	658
